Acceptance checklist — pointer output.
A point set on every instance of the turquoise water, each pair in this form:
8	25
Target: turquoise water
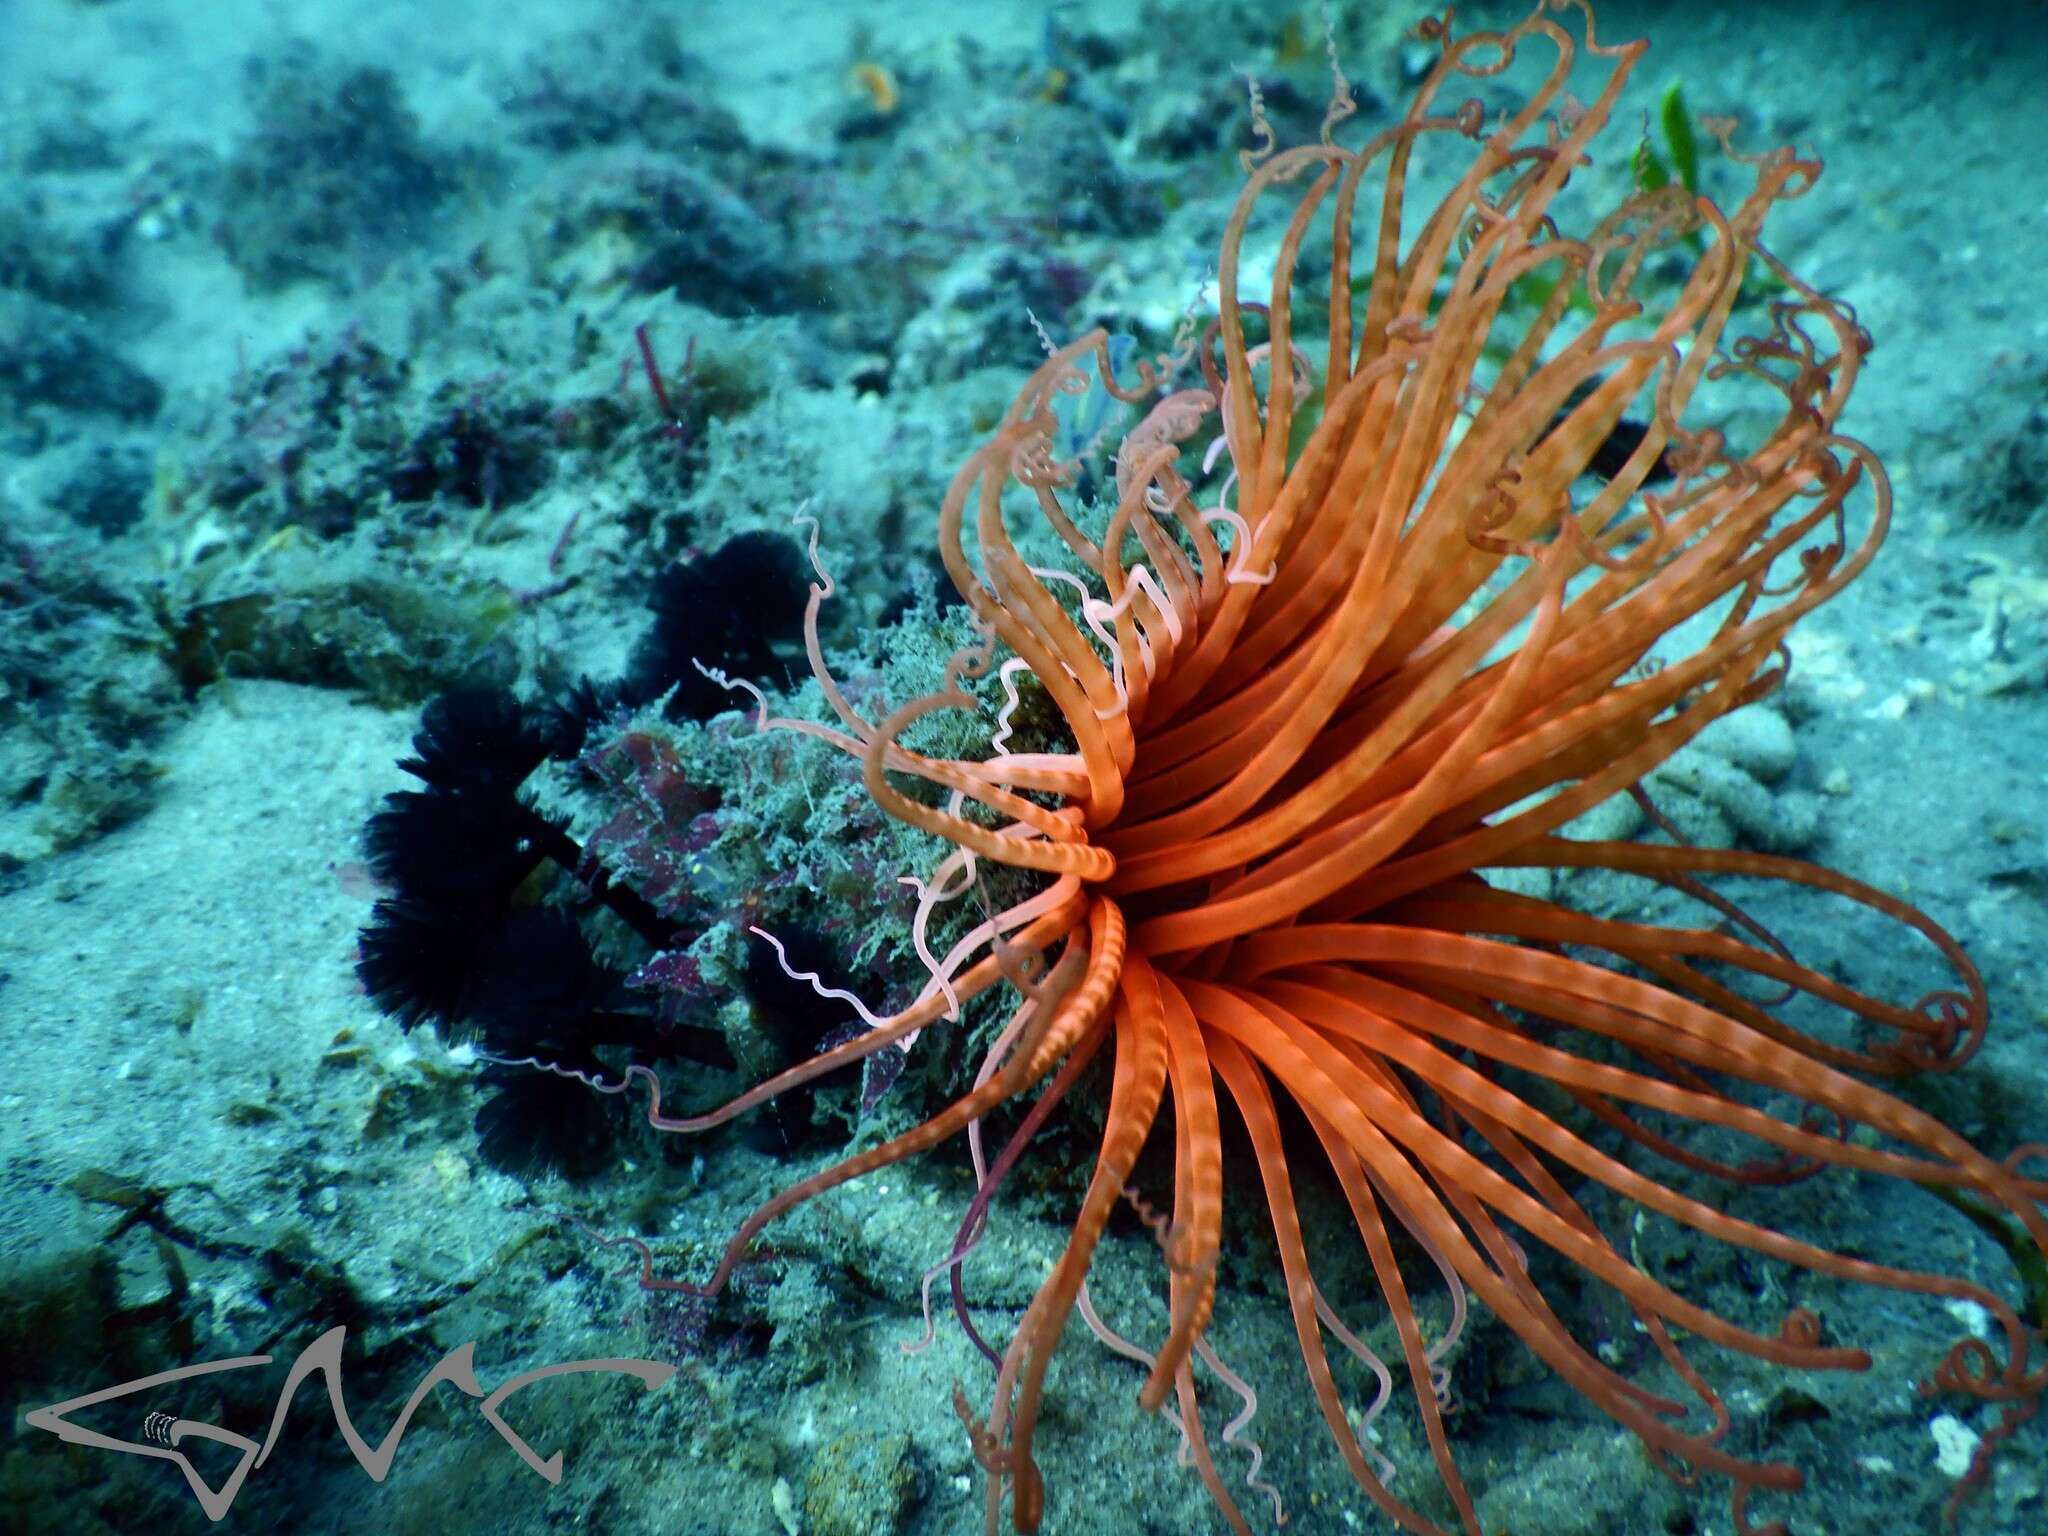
352	354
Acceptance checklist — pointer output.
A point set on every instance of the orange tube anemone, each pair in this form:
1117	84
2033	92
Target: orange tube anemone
1431	640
